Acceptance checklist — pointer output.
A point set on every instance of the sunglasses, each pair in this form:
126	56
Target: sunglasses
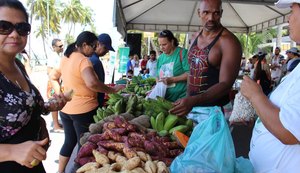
60	46
7	28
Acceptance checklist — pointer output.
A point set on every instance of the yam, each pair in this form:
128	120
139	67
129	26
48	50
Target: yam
111	145
100	158
95	138
87	167
102	150
131	163
138	170
142	155
162	167
129	153
112	155
121	159
150	167
116	167
83	160
86	149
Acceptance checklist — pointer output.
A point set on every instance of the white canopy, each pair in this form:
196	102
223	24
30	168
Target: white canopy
181	15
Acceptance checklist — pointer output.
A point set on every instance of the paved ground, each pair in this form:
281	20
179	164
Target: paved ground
39	78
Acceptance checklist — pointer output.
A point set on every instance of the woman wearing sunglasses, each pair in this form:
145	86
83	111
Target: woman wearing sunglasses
77	74
172	66
22	144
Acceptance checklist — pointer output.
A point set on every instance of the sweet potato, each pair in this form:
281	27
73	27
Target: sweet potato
142	155
95	138
175	152
113	155
162	167
111	145
172	145
121	159
120	131
122	123
83	160
114	135
150	148
109	125
150	167
86	149
102	150
131	163
135	142
100	158
129	153
138	170
87	167
116	167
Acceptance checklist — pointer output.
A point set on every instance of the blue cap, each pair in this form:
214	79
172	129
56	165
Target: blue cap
106	40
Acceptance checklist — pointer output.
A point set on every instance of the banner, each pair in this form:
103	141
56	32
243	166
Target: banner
123	55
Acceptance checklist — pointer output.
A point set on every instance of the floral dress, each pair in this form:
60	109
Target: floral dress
19	118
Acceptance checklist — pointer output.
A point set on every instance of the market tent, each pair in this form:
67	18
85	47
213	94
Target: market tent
181	15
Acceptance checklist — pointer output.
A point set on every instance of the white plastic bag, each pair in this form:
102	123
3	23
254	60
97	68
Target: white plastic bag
159	90
242	109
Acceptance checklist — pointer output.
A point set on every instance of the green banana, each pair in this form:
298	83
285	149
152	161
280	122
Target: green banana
153	123
160	119
181	128
189	123
170	121
163	133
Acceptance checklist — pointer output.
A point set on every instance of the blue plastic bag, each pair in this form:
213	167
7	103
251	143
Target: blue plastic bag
210	147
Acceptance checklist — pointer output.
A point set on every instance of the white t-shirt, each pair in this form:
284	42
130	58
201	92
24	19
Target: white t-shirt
267	153
53	60
152	66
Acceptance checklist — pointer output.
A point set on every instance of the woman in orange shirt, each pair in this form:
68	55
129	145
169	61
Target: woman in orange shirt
77	74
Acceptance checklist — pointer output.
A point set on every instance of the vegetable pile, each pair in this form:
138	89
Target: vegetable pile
125	146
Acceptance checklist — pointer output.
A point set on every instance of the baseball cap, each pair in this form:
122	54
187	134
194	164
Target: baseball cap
106	40
286	3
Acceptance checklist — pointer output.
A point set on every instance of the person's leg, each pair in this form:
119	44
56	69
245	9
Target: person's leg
56	125
82	122
69	142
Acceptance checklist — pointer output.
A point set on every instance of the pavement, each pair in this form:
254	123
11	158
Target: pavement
39	78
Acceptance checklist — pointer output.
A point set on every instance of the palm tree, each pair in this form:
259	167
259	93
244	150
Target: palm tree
76	13
39	11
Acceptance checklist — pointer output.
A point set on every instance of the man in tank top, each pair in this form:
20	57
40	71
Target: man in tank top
214	58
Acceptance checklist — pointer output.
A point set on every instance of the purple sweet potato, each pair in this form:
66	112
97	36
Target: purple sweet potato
111	145
175	152
114	135
120	131
82	161
95	138
172	145
86	150
102	150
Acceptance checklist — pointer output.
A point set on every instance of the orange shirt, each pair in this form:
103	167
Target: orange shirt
84	99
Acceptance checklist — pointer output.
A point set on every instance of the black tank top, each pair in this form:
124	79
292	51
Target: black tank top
203	75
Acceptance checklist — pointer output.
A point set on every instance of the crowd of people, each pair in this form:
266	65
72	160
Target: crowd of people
199	77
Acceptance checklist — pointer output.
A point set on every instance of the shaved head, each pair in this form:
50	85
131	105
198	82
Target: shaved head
218	2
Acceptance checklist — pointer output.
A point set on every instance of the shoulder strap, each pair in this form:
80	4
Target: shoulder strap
215	40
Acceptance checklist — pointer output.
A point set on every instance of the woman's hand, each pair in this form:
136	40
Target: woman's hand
24	153
167	80
58	101
250	88
118	88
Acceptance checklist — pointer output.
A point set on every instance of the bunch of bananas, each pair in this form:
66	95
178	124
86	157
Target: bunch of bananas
153	107
134	105
166	125
102	113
